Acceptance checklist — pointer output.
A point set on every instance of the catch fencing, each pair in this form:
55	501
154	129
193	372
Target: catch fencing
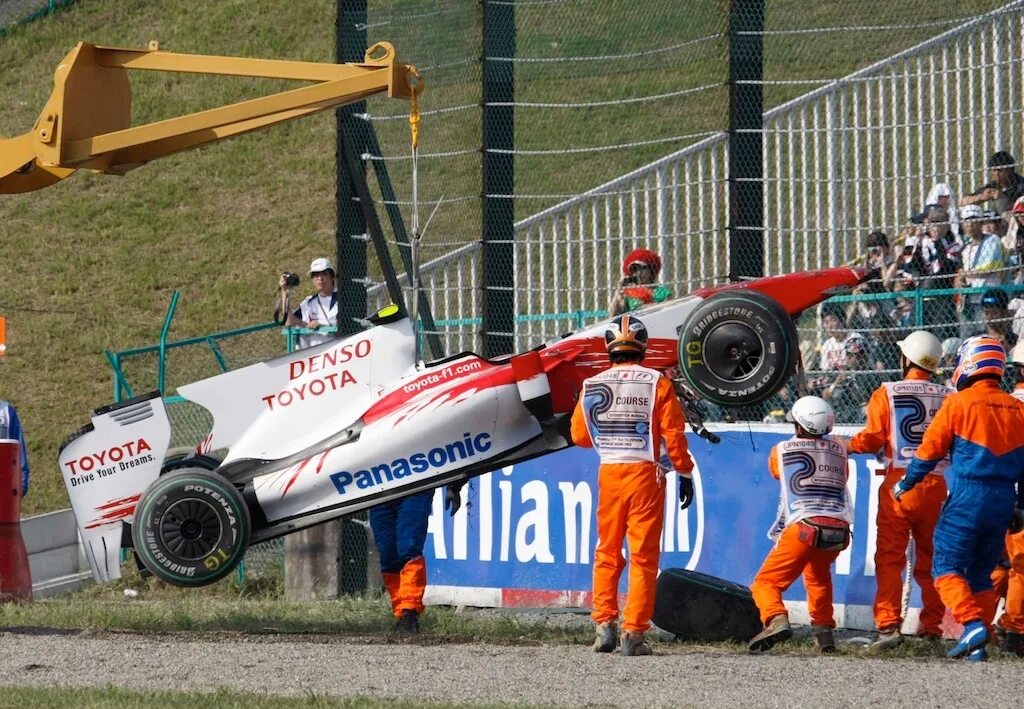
881	124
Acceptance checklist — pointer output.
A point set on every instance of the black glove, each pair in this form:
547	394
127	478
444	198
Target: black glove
453	497
685	491
1017	521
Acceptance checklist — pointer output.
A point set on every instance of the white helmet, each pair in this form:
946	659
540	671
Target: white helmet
922	348
1017	353
813	414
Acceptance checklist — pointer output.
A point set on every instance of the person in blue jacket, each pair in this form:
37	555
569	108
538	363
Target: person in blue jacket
10	428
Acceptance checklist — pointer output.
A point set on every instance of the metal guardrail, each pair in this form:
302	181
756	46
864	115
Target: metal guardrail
55	556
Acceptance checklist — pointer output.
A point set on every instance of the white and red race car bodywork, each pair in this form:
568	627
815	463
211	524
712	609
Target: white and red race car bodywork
325	431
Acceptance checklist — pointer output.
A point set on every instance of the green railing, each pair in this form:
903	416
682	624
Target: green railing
920	296
577	319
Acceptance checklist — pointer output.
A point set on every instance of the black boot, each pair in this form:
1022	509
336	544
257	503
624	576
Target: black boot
1012	644
408	623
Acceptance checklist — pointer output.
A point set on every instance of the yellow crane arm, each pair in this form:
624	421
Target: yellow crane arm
86	123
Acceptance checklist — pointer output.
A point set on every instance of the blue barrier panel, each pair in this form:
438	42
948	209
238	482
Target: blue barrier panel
530	528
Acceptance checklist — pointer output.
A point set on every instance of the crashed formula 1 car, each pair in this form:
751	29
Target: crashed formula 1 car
323	432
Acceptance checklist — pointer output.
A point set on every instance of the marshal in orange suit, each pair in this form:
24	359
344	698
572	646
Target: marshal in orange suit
625	413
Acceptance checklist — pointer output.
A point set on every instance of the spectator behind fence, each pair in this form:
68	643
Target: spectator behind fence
830	355
878	255
1013	242
947	364
902	315
870	316
942	196
639	286
910	264
941	253
850	391
318	310
983	265
1005	187
996	318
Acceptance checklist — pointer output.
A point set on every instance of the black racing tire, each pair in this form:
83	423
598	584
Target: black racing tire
696	606
182	461
191	527
738	349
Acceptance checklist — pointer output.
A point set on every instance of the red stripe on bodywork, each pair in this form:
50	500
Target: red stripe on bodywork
480	380
298	469
118	503
796	292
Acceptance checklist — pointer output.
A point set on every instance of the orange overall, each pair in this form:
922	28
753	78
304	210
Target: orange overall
631	494
984	428
1013	616
917	513
792	556
1009	582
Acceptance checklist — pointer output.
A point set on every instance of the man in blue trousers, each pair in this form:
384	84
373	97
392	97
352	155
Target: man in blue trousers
10	429
399	531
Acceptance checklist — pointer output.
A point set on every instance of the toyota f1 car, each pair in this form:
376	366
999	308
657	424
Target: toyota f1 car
323	432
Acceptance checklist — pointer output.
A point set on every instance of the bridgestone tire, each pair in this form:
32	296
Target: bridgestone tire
738	349
182	461
191	527
695	606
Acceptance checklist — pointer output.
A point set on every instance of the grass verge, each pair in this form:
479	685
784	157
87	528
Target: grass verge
118	698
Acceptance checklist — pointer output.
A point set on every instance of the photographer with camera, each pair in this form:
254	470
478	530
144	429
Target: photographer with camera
638	287
318	310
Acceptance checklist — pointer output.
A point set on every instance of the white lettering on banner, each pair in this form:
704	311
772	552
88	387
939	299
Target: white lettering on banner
536	519
506	513
527	535
872	536
845	557
487	515
573	497
435	524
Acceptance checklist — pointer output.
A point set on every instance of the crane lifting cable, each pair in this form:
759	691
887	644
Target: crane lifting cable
86	123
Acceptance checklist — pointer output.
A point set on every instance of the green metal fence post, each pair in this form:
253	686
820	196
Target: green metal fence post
498	177
162	364
351	137
746	178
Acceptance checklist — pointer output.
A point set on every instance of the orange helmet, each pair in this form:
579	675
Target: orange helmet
627	335
642	256
978	356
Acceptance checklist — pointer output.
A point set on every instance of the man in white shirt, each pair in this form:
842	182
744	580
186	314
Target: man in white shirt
319	309
983	264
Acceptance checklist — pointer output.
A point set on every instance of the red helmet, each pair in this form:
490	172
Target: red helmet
642	256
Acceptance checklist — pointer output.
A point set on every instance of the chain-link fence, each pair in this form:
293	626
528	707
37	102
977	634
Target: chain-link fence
14	12
872	113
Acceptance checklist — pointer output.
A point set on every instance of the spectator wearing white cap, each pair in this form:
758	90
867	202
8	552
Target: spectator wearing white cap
983	265
942	196
319	309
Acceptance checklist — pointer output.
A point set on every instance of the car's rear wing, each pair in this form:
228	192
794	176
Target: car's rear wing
106	466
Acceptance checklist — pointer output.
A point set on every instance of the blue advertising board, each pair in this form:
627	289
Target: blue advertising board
532	527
